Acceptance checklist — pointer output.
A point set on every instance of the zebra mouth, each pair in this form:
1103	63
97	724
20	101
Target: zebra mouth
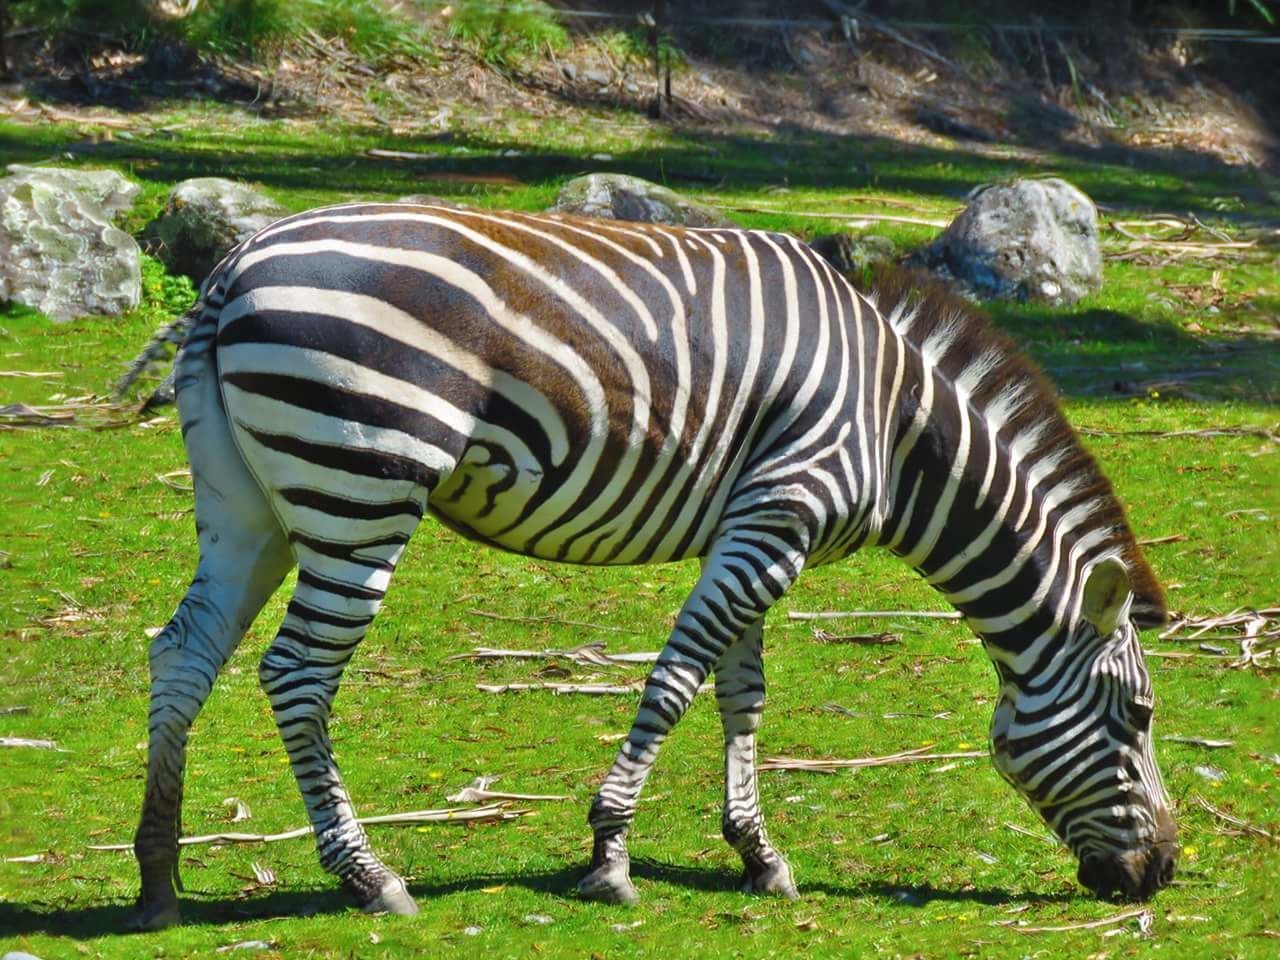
1133	875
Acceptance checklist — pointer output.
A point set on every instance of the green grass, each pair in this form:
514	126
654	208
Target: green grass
916	860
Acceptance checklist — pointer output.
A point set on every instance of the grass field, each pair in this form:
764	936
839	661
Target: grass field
935	860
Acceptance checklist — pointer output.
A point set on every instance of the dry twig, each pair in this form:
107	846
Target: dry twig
493	813
867	639
875	614
918	755
478	792
1143	915
1235	821
547	618
559	689
589	654
35	744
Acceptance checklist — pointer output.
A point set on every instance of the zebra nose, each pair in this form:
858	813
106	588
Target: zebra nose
1135	875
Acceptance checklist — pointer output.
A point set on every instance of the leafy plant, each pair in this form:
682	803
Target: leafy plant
504	31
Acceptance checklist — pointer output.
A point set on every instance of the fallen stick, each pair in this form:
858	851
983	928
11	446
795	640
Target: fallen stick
851	218
35	744
591	654
1203	432
875	614
1171	538
494	813
1235	821
918	755
1202	742
866	639
478	792
1142	914
547	618
590	689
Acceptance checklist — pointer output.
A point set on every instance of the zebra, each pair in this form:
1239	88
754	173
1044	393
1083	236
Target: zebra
599	393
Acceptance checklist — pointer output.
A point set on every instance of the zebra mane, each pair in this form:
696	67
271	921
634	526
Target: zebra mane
957	338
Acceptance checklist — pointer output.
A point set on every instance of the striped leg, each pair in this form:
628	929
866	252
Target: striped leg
338	594
744	574
740	695
243	558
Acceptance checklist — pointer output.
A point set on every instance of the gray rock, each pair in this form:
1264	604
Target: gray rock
852	252
59	252
1024	240
19	955
617	196
203	219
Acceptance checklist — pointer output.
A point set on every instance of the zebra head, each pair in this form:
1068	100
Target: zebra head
1074	738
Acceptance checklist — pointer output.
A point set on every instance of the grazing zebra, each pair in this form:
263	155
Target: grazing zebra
608	393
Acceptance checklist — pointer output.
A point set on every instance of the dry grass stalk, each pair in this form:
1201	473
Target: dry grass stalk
588	654
1272	434
851	219
493	813
867	639
875	614
918	755
1243	825
1202	742
544	618
1171	538
478	792
559	689
1143	915
34	744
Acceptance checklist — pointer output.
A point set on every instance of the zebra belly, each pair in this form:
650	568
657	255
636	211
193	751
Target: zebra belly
514	504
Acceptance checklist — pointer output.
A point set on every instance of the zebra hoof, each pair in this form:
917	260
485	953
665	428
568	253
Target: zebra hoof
773	881
393	898
149	917
609	883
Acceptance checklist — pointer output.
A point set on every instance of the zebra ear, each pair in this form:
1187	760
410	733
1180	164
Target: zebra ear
1107	596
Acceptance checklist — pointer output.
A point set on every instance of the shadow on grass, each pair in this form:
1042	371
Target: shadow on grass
99	920
797	158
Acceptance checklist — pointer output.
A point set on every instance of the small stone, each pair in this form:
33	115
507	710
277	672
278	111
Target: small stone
1213	774
19	955
537	919
473	931
203	219
570	71
601	77
617	196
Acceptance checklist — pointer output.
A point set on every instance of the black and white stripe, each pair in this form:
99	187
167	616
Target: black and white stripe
607	393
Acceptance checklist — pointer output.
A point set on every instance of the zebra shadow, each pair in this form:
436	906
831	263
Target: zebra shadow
206	909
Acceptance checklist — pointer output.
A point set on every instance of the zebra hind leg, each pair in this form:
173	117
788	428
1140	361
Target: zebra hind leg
243	557
740	696
340	588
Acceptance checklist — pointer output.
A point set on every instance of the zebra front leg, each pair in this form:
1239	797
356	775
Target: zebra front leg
740	696
333	605
744	574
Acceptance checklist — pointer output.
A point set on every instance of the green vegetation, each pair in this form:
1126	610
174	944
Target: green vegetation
924	860
237	27
504	31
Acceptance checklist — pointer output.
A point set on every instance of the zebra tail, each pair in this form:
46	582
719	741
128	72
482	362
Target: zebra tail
158	351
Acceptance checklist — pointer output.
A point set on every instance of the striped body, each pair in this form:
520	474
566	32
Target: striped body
595	395
605	393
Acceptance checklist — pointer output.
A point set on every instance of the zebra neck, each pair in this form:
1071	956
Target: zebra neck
987	505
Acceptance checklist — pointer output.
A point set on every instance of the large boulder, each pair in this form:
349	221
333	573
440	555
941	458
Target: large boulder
617	196
59	252
1024	240
203	219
